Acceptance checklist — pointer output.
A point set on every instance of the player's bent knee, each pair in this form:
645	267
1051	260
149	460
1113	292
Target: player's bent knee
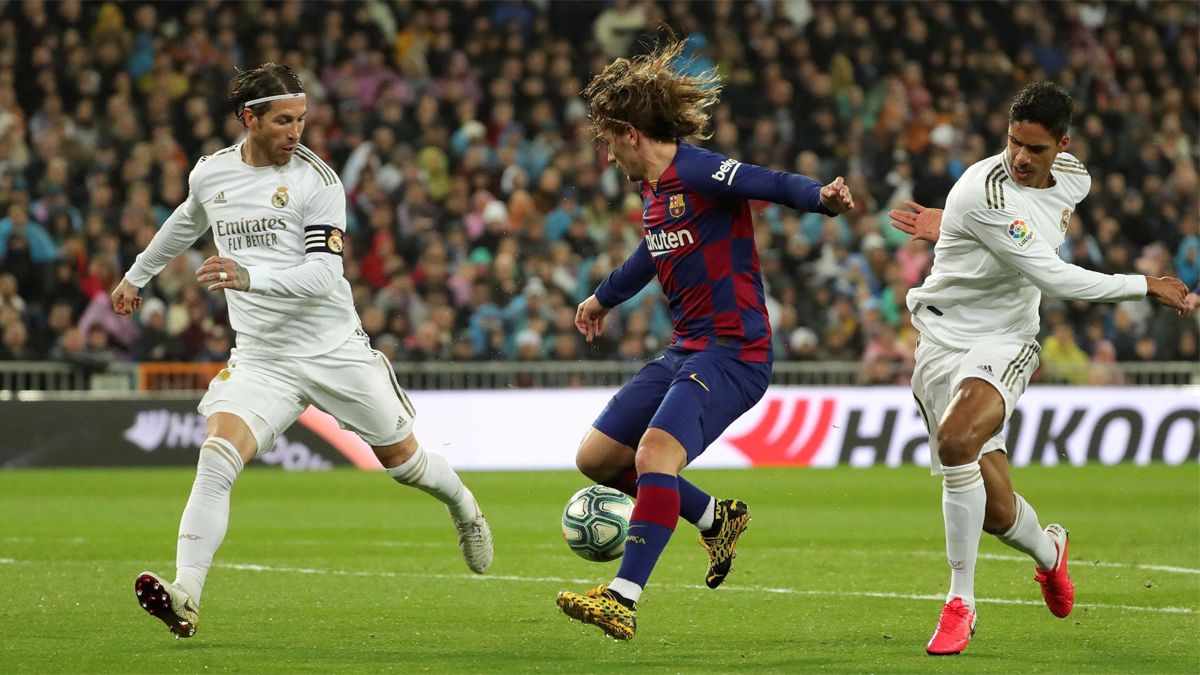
956	447
659	452
592	466
394	455
233	430
600	457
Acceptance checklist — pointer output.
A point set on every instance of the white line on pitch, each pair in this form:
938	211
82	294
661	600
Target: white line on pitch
1089	563
921	554
1082	563
744	589
7	561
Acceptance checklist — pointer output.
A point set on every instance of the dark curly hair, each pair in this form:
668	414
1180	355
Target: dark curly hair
1044	103
269	79
647	93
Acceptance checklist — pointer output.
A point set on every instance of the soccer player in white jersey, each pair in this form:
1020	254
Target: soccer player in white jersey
278	214
977	315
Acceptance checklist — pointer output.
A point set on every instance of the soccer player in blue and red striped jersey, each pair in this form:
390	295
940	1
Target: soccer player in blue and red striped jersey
699	243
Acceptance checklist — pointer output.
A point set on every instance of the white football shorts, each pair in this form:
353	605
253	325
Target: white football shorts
353	383
940	371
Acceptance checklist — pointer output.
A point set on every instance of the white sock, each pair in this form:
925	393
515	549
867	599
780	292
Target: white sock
1027	536
710	512
431	473
206	516
963	504
626	589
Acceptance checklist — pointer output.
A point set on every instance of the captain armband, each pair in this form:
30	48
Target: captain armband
323	239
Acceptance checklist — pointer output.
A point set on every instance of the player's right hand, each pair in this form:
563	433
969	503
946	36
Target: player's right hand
125	298
589	318
1168	291
924	224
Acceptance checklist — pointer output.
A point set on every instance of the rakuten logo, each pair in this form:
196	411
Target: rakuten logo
726	171
662	243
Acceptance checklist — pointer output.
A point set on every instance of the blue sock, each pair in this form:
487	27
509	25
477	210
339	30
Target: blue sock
650	527
693	501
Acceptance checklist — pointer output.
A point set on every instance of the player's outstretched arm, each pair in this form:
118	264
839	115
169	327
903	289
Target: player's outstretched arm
922	223
720	177
1020	247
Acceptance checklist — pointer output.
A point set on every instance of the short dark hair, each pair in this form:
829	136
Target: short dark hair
1044	103
269	79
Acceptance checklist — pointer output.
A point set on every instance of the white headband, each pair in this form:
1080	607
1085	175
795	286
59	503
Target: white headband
276	97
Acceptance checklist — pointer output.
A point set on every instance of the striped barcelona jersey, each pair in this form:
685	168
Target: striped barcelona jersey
699	242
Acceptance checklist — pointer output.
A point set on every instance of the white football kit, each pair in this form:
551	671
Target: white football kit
977	312
299	340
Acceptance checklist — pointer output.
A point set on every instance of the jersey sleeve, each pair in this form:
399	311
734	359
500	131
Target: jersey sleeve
720	177
324	224
1014	241
178	233
624	282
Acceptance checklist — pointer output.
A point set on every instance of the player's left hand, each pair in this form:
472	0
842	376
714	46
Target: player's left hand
836	196
922	223
223	273
589	318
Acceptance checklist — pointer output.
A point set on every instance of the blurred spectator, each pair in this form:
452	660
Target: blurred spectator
153	343
1104	370
1062	357
886	360
470	170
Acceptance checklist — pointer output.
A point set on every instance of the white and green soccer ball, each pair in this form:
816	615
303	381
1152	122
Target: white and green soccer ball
595	523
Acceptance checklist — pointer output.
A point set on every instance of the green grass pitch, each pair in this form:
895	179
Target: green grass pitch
841	571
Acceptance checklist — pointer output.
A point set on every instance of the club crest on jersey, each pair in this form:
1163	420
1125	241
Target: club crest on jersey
335	242
1020	232
280	198
1066	220
676	206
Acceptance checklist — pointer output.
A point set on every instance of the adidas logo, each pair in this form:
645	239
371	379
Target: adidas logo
220	198
987	369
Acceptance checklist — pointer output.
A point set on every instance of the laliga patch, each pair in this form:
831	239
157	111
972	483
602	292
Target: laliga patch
676	205
1020	232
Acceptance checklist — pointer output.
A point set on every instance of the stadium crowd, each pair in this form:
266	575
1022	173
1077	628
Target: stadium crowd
481	211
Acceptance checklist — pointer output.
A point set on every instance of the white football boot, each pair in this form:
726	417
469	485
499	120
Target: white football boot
475	542
168	603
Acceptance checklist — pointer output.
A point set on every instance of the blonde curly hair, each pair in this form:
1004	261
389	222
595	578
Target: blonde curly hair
647	93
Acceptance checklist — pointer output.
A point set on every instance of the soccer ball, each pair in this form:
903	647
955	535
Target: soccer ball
595	522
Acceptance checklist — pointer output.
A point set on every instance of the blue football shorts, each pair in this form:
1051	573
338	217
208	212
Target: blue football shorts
692	395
